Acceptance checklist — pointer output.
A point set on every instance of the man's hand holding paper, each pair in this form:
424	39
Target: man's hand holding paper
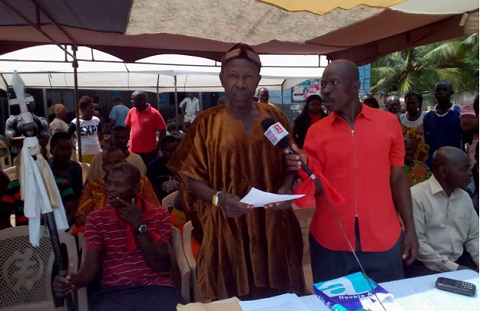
232	204
259	198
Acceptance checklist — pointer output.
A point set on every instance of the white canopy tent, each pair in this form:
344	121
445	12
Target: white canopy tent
49	67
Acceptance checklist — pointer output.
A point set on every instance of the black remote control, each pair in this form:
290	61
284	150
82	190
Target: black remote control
456	286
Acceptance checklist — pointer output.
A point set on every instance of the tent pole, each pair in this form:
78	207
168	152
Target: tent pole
176	100
6	91
75	96
45	103
158	93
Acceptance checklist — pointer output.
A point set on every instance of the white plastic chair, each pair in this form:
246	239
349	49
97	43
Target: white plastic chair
4	153
85	167
180	268
187	248
82	295
25	283
304	217
169	199
11	172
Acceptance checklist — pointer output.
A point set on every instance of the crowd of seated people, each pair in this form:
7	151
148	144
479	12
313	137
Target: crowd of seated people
137	188
82	199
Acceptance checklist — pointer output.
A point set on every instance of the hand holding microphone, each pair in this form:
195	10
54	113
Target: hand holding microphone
278	136
294	160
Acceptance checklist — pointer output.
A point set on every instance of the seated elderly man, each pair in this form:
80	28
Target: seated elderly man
445	220
118	139
94	196
127	241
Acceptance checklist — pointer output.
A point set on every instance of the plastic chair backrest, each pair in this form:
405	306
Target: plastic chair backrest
11	172
169	199
187	248
180	268
27	271
4	152
85	167
304	217
82	293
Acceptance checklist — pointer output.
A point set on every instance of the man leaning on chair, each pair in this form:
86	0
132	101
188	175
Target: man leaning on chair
127	241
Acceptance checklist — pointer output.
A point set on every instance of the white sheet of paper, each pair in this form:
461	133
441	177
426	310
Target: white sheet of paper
285	302
259	198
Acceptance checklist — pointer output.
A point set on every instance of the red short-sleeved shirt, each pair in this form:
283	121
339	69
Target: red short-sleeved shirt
357	163
143	129
120	266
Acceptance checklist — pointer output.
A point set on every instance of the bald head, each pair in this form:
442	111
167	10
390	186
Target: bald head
263	95
140	94
451	167
139	100
447	156
347	68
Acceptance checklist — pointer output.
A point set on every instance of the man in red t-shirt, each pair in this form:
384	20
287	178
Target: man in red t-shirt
127	241
360	151
144	122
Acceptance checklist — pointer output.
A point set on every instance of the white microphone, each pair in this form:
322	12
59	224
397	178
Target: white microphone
276	134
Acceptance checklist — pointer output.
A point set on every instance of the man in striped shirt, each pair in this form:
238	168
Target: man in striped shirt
127	241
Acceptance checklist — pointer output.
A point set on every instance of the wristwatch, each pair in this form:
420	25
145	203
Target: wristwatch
142	229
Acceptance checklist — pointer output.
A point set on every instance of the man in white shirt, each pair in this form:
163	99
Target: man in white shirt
189	106
445	220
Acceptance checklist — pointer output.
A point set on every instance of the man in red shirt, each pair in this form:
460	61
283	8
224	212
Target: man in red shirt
127	241
144	122
360	151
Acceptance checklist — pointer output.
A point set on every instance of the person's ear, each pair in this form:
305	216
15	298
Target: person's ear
356	86
220	76
443	170
136	188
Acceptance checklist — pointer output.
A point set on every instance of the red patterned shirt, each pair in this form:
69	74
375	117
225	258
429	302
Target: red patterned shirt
120	266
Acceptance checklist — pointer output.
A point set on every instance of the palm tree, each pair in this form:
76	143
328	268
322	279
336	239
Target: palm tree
419	68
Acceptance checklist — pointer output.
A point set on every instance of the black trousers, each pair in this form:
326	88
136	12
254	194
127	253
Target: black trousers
135	298
379	266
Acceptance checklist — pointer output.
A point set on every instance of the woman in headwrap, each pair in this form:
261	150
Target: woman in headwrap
58	124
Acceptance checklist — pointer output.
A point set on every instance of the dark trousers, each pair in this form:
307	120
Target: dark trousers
417	268
148	157
379	266
135	298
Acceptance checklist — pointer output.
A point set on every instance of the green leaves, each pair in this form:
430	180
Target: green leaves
418	69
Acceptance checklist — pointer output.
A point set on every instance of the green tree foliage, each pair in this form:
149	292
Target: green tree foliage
419	68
